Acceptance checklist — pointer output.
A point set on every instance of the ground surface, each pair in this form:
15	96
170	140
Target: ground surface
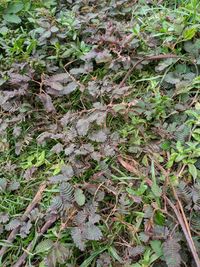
99	133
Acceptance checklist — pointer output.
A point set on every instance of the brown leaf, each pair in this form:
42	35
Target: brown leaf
129	167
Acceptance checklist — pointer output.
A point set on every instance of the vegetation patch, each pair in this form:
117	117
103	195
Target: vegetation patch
99	133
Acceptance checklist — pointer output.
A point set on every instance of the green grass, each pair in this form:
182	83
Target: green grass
116	164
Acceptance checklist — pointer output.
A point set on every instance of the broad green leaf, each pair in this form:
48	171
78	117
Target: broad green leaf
196	134
40	159
193	170
180	157
79	197
157	247
14	8
189	33
159	218
44	246
12	18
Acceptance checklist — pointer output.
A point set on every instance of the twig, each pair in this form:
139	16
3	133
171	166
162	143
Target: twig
108	107
82	87
30	247
194	99
181	217
185	227
158	57
30	207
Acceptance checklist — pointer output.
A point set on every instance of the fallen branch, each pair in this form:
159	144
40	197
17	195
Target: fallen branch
30	207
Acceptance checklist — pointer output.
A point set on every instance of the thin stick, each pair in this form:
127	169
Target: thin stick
158	57
186	232
30	207
82	87
30	247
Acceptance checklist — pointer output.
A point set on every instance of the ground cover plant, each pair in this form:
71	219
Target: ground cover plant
99	133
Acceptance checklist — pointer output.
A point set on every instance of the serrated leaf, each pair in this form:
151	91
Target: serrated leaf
136	251
92	232
56	204
70	149
77	236
164	64
99	136
54	29
171	250
196	134
79	197
82	127
14	185
60	77
58	179
51	260
40	159
61	252
44	246
94	218
192	48
13	224
25	229
4	217
66	192
80	218
3	184
34	214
